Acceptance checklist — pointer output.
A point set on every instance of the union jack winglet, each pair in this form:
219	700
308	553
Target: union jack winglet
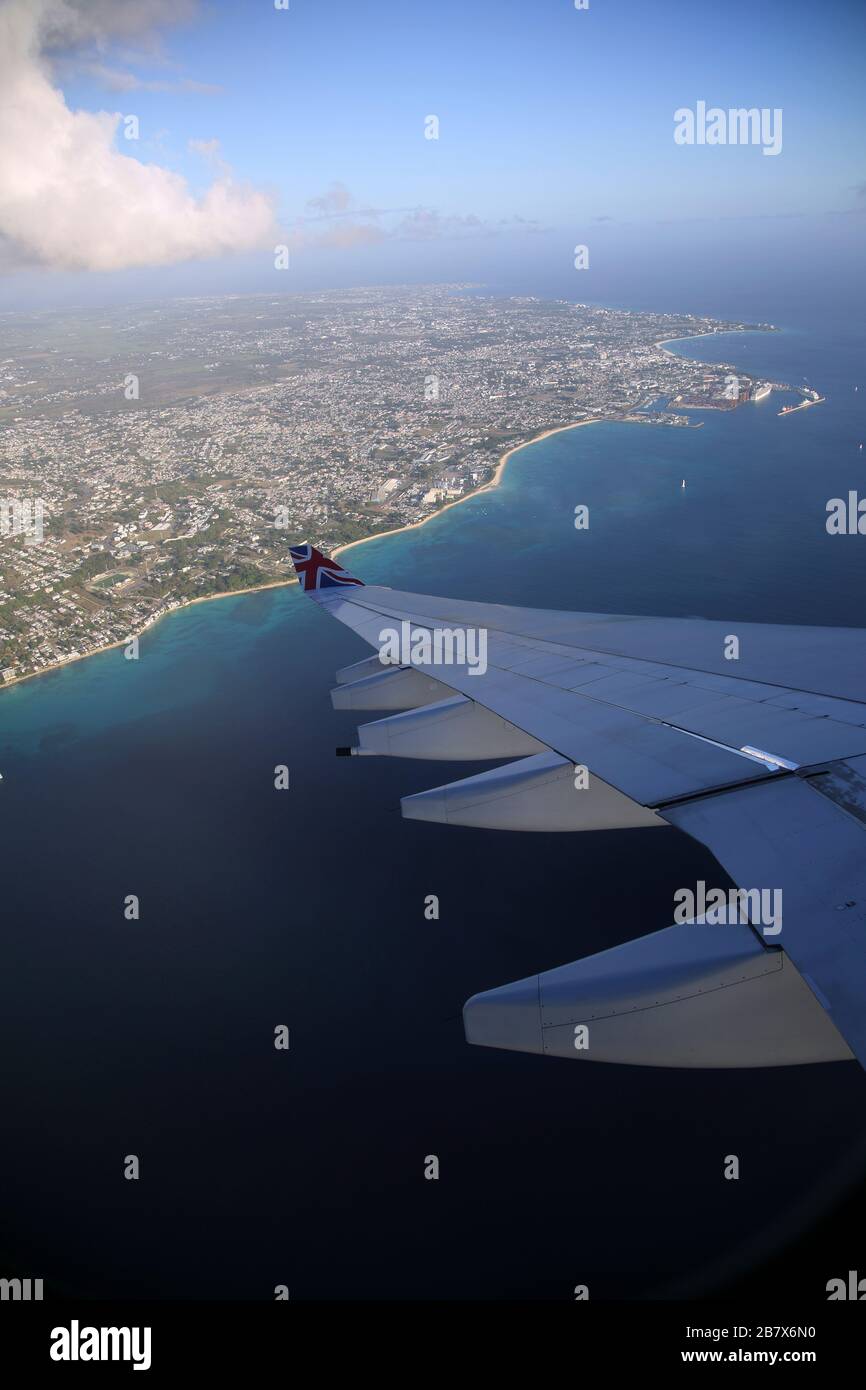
316	571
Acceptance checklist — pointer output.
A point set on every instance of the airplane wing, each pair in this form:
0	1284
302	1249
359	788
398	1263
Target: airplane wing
751	740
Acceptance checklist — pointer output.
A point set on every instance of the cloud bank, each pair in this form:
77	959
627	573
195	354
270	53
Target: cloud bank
69	200
337	208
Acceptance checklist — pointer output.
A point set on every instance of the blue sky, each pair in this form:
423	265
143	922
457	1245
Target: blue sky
546	112
559	117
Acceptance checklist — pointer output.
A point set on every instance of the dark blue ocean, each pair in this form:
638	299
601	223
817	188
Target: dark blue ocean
305	908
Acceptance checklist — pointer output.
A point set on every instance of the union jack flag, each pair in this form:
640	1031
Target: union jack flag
316	571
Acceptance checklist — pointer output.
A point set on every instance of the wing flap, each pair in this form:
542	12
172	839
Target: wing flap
537	793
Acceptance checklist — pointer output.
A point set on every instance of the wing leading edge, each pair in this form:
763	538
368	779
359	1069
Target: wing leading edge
617	720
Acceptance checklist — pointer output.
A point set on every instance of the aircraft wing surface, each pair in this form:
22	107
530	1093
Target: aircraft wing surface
751	738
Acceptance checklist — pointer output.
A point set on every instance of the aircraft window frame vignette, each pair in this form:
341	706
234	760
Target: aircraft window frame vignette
524	341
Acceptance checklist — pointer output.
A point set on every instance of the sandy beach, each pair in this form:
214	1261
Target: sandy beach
724	333
458	501
341	549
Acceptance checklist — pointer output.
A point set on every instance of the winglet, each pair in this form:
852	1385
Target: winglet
316	571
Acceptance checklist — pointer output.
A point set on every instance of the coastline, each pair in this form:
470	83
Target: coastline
458	501
722	333
728	333
362	540
713	333
718	333
112	646
339	550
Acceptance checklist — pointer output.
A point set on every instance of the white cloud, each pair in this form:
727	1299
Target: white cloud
69	199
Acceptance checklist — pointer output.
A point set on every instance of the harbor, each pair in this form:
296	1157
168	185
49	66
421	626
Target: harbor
810	397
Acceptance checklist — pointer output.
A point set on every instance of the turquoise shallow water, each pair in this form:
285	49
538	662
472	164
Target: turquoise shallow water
155	777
